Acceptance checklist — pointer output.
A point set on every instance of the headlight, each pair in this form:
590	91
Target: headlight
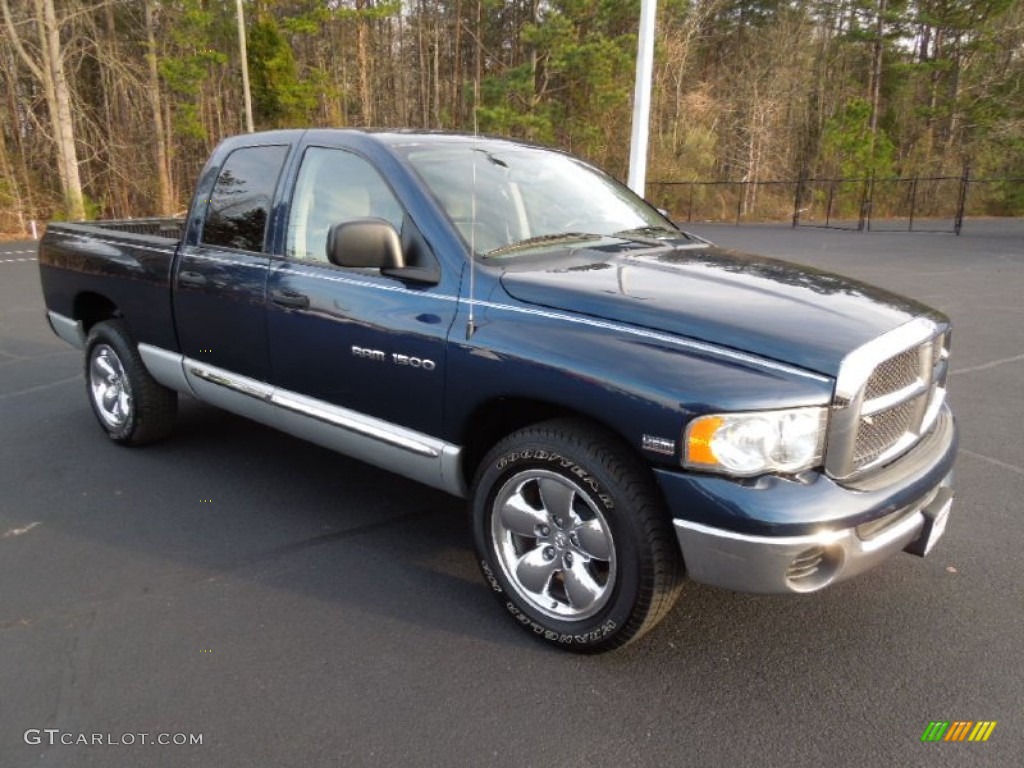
745	444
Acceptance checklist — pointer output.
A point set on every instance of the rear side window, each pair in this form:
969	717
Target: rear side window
240	202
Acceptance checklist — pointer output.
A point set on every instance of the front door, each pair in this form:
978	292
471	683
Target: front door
352	337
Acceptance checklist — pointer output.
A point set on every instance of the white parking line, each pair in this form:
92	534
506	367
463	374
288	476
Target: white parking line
20	531
996	462
986	366
41	387
16	261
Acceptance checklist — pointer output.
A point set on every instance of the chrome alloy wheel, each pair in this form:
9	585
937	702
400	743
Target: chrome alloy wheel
109	386
554	545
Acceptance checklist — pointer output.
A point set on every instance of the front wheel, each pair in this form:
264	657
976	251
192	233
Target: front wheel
573	538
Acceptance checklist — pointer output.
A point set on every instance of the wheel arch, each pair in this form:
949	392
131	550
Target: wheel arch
501	416
90	308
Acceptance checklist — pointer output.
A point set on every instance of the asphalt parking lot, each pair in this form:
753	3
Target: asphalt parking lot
298	608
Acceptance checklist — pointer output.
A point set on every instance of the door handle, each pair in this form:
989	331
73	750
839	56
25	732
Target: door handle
194	279
290	299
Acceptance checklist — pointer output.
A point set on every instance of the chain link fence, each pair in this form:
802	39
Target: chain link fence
911	204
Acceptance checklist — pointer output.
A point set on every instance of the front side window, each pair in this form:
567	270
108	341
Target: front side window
240	203
335	186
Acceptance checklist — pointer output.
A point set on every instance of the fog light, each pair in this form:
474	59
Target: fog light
813	568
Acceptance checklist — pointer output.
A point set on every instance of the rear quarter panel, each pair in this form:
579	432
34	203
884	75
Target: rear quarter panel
131	271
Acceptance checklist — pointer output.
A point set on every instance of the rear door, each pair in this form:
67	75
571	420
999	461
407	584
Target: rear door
220	285
353	337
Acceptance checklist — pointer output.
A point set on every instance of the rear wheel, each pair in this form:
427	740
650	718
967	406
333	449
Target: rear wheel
129	404
573	537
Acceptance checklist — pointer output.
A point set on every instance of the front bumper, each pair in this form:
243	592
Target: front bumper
777	535
746	563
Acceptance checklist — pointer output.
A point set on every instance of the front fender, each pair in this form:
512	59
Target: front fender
634	381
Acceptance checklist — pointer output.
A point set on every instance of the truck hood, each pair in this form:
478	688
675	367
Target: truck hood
777	310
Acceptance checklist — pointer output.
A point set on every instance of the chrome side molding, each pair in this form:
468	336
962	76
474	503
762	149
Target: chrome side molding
418	456
220	377
358	423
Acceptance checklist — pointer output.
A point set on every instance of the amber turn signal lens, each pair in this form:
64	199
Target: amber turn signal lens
698	444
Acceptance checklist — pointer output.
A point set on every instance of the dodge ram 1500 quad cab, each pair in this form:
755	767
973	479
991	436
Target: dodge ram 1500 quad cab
621	403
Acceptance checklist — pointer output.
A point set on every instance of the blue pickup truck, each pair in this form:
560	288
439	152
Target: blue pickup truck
622	404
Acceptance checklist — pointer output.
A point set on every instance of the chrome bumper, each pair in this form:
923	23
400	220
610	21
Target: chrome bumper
776	564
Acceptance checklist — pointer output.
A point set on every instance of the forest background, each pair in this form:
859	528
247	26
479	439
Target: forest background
109	108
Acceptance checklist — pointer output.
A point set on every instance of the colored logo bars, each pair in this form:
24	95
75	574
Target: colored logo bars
958	730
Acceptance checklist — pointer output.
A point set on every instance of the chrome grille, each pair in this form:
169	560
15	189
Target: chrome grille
880	432
896	373
888	394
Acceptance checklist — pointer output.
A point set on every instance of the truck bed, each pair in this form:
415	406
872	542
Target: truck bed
165	228
165	231
127	261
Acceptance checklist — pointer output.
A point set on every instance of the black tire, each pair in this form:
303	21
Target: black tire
130	406
608	571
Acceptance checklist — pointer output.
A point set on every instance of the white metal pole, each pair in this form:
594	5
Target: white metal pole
642	98
245	68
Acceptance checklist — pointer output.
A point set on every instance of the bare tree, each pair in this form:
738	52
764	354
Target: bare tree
164	199
47	66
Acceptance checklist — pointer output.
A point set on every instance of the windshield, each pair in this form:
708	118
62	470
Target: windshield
528	198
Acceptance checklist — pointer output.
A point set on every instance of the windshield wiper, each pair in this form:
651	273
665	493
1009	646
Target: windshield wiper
647	234
542	240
